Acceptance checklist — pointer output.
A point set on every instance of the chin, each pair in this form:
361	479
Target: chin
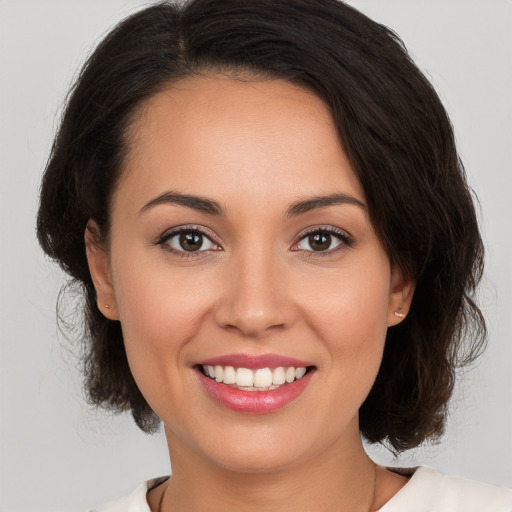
259	449
257	461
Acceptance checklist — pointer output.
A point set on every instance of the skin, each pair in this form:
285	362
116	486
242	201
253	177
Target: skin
256	148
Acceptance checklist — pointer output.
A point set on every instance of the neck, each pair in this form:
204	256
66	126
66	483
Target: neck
341	479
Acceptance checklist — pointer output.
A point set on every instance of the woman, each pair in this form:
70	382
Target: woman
278	251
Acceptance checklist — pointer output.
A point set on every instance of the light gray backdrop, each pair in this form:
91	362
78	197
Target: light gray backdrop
56	454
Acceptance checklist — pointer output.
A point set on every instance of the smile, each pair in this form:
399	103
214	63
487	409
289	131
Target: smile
260	379
254	384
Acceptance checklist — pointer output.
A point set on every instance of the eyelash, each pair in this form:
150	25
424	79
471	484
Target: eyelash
343	237
168	235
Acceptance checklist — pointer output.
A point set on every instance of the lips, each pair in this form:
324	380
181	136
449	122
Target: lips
254	384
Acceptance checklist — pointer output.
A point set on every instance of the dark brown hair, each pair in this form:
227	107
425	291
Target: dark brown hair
393	128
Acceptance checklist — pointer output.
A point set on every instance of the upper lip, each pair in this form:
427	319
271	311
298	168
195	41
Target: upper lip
254	361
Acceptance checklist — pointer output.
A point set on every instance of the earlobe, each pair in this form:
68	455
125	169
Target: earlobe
401	293
99	267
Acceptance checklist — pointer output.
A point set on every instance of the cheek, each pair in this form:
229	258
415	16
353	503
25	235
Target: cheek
350	312
156	300
159	311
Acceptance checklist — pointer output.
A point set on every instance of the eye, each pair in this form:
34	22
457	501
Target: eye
323	240
187	241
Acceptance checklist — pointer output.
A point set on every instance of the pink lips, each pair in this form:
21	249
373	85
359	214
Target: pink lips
254	402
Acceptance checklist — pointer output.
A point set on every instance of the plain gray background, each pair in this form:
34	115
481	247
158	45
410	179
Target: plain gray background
58	454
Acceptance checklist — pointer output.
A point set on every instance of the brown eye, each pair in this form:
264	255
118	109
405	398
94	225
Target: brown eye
191	241
188	240
320	241
323	240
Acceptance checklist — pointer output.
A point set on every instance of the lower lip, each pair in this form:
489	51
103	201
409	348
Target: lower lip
254	402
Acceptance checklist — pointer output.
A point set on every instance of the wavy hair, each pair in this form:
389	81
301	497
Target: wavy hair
393	128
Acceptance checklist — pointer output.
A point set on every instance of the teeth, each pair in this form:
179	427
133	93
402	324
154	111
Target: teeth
229	375
244	377
300	372
262	378
254	380
278	376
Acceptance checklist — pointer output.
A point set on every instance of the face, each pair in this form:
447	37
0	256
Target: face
241	247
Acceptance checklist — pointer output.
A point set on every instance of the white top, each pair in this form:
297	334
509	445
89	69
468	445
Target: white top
426	491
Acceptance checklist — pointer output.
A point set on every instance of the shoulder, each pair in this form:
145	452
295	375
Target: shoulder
430	491
135	501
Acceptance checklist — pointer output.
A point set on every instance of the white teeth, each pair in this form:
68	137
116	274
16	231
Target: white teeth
300	372
219	373
229	375
260	379
244	377
278	376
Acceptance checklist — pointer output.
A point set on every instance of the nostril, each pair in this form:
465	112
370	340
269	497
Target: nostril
253	309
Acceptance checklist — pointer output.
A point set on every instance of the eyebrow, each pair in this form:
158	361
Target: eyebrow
318	202
211	207
201	204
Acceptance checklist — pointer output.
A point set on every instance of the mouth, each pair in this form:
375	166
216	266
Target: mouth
254	385
259	379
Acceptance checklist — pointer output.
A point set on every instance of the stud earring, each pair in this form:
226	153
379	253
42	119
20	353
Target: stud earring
400	315
107	306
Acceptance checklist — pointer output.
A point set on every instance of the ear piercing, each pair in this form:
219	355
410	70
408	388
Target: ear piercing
397	312
108	307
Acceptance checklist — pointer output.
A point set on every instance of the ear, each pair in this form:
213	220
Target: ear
99	267
400	297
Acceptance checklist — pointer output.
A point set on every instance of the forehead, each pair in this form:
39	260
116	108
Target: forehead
218	136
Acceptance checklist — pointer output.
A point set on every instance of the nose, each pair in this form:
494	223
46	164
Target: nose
255	296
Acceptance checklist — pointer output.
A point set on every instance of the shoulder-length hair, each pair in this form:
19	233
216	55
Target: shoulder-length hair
393	128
